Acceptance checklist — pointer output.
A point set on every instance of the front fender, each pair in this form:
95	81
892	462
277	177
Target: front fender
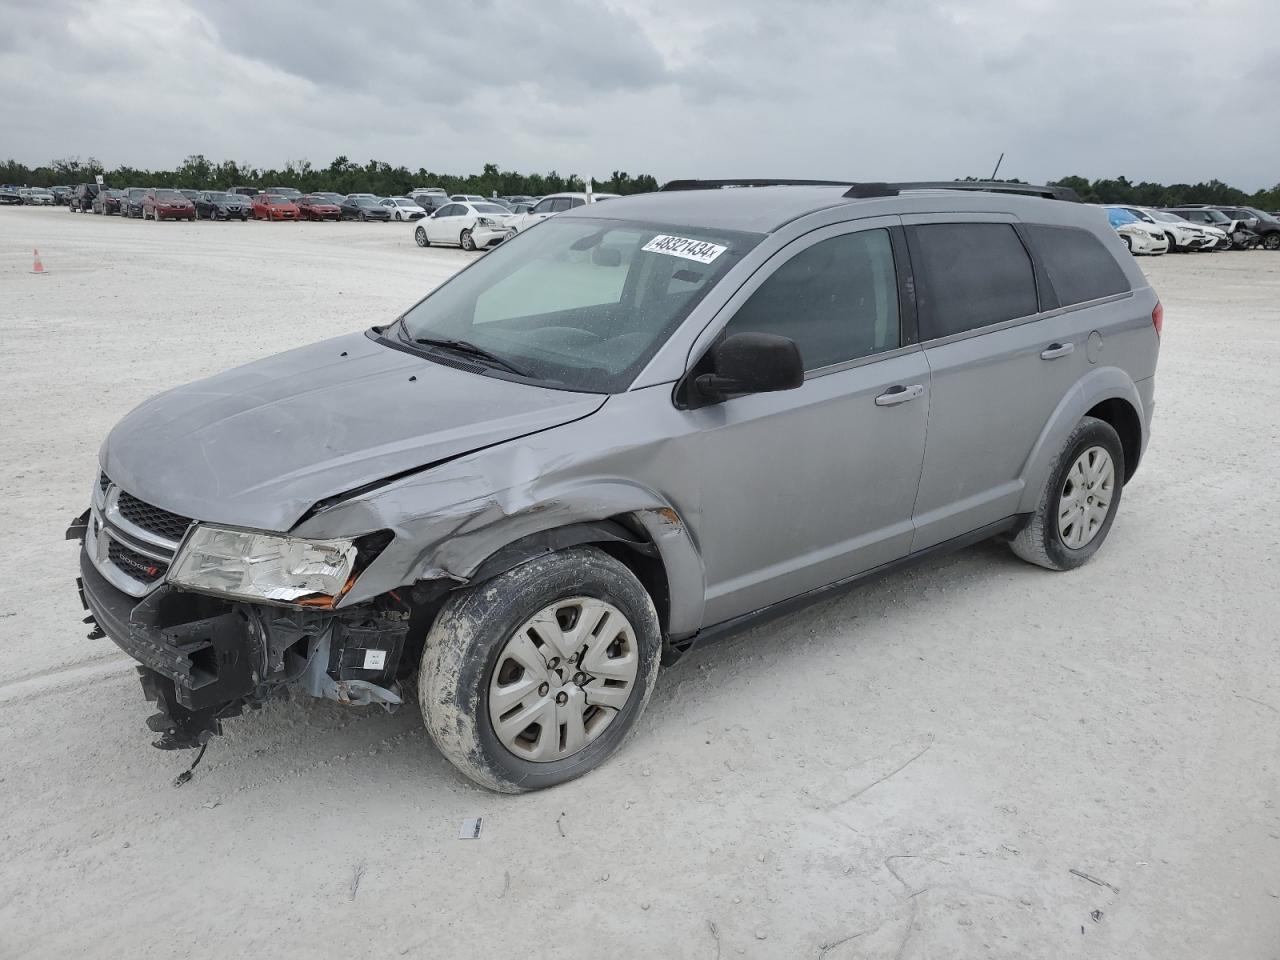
448	521
1103	383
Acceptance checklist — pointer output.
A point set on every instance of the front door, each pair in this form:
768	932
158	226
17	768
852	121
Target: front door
809	486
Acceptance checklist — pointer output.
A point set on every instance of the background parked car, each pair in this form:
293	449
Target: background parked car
247	192
556	203
315	206
363	206
131	201
402	208
1241	236
189	194
9	196
82	197
218	205
334	198
468	225
1141	238
272	206
166	204
1260	222
36	197
291	192
429	202
1181	234
61	194
107	201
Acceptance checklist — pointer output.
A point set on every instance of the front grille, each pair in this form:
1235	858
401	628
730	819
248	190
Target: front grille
152	519
103	482
135	564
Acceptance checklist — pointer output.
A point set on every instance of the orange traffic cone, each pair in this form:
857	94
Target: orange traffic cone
37	267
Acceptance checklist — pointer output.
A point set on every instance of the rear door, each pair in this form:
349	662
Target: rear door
806	487
999	366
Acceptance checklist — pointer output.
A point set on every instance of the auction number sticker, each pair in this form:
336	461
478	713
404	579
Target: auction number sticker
698	250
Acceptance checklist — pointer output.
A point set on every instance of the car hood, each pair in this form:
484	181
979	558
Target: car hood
258	445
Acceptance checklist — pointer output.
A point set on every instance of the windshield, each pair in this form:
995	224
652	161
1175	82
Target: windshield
579	304
1166	217
277	200
1119	218
169	195
404	202
490	208
215	197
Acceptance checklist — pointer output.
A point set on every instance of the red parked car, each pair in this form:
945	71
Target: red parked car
272	206
160	204
313	207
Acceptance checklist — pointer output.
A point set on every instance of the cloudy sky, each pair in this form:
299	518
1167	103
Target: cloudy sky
1170	90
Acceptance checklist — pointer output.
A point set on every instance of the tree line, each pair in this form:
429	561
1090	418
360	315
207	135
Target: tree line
1148	194
346	176
341	176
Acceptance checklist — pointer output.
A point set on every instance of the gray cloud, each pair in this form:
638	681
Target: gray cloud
1167	89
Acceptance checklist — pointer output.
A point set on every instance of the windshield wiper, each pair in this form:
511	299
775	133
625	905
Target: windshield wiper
471	350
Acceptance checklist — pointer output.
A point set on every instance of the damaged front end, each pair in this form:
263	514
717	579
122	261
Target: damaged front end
205	658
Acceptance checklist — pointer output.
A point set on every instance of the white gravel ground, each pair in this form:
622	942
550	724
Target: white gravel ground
911	771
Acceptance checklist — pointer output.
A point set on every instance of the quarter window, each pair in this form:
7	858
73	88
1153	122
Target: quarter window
838	300
1079	266
974	275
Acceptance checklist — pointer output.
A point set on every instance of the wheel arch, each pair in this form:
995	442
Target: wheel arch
1107	393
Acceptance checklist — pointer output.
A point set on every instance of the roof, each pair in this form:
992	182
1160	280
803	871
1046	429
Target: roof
767	208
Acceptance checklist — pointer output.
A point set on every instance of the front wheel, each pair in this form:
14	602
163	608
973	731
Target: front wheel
1079	500
420	235
537	676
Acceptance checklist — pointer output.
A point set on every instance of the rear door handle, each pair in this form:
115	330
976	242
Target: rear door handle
899	394
1056	350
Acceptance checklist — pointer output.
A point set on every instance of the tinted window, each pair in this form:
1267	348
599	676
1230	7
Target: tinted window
1079	266
543	206
974	274
838	300
560	204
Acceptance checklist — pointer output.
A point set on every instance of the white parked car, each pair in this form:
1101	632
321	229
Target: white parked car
402	208
554	203
468	225
1141	238
1182	234
36	196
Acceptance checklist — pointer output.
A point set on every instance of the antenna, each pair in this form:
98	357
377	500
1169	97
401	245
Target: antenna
997	169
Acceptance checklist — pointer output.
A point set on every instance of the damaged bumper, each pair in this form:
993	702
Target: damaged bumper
204	659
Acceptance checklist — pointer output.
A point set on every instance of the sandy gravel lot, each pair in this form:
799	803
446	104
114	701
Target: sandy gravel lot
911	771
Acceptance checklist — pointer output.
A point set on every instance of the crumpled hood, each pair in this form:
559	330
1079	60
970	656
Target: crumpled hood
258	445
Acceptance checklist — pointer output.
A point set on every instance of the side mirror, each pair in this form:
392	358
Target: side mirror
751	363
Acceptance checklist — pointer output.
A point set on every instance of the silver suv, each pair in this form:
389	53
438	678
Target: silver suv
637	426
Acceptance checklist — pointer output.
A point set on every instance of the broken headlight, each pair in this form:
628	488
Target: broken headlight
265	566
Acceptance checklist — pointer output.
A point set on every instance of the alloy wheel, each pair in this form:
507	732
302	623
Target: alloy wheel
1085	498
562	678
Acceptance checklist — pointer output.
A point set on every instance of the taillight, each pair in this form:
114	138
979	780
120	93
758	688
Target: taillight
1157	318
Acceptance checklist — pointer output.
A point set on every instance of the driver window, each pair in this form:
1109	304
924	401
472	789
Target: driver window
838	300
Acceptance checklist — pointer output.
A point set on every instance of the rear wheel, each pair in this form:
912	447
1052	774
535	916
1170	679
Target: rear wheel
537	676
467	241
1079	500
1271	241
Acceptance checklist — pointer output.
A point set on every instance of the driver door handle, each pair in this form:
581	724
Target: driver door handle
899	394
1056	350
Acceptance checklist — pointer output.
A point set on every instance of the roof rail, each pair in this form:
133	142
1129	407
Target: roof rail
862	191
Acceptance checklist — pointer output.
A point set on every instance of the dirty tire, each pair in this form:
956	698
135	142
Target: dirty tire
462	650
1040	542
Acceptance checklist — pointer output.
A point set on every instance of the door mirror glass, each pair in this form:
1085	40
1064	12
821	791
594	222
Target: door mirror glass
751	363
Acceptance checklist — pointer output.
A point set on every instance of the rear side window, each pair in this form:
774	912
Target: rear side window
838	300
975	274
1079	266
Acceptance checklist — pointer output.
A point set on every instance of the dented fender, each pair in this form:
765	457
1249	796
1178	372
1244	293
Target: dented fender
449	520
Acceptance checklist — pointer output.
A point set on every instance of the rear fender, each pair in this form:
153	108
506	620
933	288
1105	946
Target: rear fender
1103	383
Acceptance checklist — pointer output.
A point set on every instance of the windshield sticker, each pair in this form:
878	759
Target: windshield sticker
698	250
